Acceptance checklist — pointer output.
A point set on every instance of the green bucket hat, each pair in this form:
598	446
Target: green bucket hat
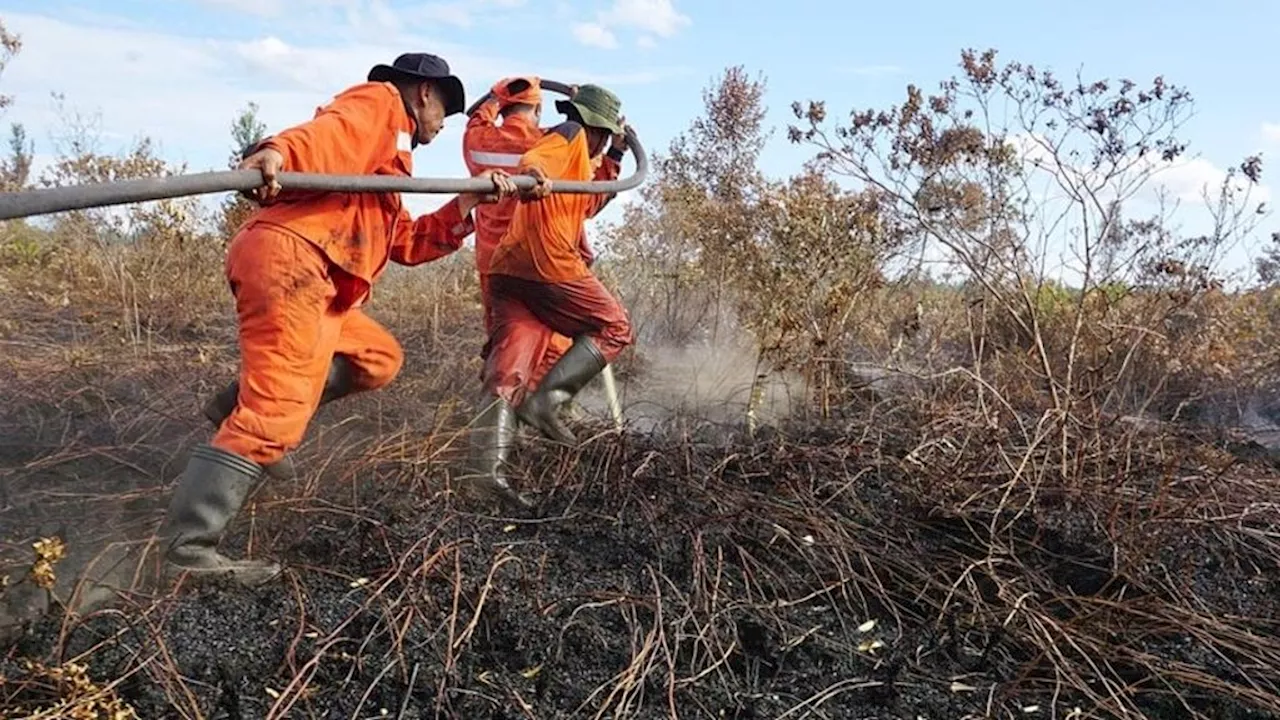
597	107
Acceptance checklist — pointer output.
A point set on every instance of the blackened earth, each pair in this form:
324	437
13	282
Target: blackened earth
685	572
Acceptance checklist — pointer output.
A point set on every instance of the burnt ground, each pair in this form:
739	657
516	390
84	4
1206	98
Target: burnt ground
690	571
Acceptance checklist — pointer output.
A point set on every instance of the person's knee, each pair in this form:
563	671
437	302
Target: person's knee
613	337
619	331
379	368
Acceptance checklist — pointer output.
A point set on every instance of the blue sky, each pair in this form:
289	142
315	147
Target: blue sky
179	70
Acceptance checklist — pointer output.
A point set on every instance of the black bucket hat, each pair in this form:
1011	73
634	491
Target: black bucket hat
424	66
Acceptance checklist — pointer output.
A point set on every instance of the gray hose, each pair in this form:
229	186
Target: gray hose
25	203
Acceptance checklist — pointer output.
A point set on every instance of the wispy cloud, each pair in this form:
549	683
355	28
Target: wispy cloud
448	13
1271	133
659	17
653	17
594	35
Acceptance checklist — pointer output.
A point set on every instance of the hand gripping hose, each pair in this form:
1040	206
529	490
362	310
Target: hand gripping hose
25	203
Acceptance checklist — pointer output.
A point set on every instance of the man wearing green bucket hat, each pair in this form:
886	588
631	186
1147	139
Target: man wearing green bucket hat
539	279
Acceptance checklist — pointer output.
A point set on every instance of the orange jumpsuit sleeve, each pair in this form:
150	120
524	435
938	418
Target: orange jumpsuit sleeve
432	236
334	141
482	130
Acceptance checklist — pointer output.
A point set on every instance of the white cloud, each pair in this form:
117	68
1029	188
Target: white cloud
1173	190
646	42
449	13
594	35
293	8
659	17
655	17
1271	133
1185	180
260	8
1189	180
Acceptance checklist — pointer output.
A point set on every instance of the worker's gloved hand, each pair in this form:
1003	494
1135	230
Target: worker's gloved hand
269	162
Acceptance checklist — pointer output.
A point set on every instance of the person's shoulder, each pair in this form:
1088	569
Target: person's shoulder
567	131
383	92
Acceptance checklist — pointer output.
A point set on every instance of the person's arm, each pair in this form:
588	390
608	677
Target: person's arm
610	168
584	248
436	234
481	129
336	141
433	235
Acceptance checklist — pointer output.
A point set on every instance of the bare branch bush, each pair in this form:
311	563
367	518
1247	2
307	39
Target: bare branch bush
715	249
1018	178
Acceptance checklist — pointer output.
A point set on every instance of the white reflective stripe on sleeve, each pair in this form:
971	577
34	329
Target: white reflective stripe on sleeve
495	159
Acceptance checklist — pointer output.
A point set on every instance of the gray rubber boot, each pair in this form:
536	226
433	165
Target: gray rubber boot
567	377
339	383
211	492
491	443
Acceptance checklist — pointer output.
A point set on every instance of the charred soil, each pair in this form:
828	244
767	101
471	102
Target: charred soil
877	566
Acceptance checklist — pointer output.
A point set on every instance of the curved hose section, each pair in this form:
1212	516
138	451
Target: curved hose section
26	203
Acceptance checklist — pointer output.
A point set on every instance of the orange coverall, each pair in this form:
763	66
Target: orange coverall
301	266
538	274
486	145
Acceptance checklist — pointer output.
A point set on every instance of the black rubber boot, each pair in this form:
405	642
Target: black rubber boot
491	443
339	383
211	492
566	378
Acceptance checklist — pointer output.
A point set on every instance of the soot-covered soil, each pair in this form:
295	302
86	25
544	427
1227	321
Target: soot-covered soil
834	571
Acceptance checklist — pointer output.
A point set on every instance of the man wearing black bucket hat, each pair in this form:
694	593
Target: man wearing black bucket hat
300	268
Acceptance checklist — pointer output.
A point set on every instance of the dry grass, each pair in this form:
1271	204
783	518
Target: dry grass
686	571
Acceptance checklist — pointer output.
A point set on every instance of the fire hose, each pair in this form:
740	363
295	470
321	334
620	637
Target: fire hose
25	203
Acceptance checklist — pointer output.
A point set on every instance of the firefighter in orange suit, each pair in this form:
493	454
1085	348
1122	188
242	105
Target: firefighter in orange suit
300	268
486	145
538	277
